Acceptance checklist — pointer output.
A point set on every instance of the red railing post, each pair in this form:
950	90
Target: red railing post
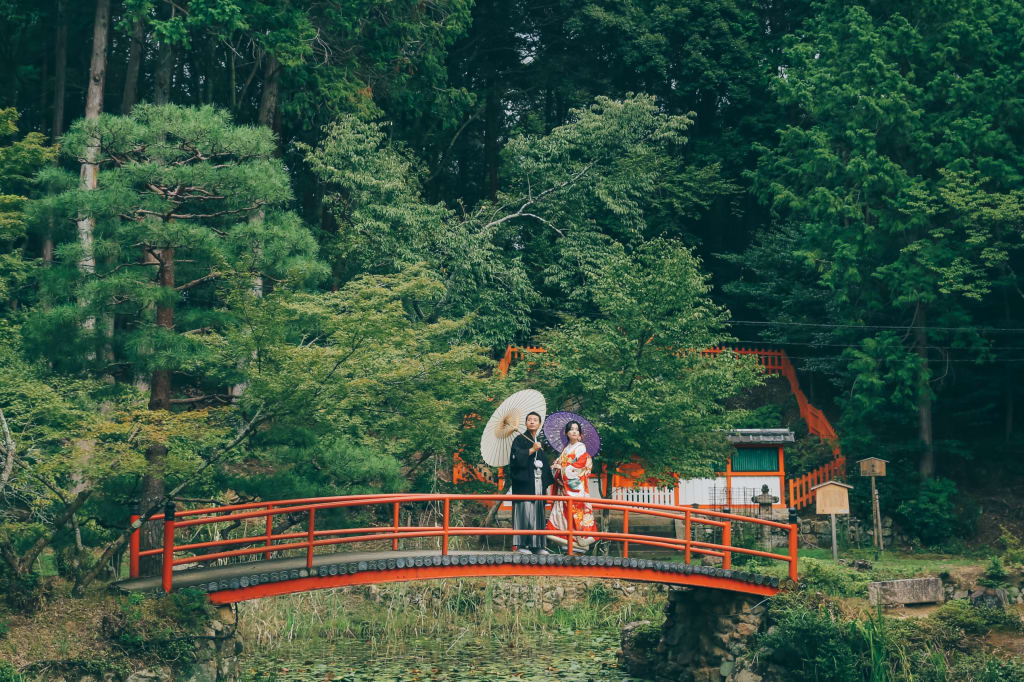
168	556
394	541
447	512
727	541
270	530
625	531
568	507
133	548
794	529
686	537
310	535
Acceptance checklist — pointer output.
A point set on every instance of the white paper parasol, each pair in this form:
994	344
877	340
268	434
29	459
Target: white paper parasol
508	421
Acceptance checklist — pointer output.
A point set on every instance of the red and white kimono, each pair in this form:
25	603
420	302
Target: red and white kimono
571	470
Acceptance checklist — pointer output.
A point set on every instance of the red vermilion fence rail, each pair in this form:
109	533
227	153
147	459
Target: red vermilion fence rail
262	540
773	362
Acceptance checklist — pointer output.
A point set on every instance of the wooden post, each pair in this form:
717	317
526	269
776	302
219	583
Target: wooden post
270	530
447	512
727	541
686	537
568	506
877	513
835	548
133	549
168	565
310	536
394	541
625	531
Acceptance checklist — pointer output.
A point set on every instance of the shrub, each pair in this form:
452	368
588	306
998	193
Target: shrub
22	593
1013	547
995	574
936	514
833	580
161	628
974	620
813	644
8	673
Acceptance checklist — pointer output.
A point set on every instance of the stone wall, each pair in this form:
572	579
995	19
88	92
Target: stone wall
705	634
216	658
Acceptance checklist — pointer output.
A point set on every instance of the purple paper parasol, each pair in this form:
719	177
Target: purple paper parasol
554	431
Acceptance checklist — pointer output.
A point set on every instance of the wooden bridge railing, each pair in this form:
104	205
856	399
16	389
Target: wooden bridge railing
265	541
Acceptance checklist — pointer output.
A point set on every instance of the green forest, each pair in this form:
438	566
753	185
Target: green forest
270	249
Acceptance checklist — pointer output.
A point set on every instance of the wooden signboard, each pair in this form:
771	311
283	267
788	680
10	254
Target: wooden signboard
832	497
872	466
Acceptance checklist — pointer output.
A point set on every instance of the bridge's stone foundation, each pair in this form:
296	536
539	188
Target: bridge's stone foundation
216	658
702	640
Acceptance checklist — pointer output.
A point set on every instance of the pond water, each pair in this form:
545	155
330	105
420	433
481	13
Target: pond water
570	656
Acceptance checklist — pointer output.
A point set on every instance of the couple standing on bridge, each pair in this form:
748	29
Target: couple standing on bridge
530	474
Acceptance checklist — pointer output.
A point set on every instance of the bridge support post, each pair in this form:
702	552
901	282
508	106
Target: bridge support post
168	556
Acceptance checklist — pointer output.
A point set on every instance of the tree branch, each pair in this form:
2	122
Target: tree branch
9	450
531	200
117	545
197	282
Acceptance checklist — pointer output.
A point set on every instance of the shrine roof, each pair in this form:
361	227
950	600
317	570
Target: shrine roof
758	436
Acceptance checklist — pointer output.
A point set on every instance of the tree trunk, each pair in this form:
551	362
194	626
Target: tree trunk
926	464
159	399
271	89
164	70
491	140
60	69
131	74
93	106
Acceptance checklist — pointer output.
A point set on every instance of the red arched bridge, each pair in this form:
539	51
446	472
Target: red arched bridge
245	558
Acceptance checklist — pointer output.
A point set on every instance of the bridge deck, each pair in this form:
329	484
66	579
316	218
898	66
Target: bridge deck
242	581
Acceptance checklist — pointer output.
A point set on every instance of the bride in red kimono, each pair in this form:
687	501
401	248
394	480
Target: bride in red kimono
571	469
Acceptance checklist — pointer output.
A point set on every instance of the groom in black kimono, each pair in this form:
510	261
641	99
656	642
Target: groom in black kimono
529	474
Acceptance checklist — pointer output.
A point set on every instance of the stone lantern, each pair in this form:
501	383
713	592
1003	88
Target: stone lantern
764	503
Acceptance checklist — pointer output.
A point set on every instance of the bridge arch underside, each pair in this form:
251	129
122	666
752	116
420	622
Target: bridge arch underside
254	580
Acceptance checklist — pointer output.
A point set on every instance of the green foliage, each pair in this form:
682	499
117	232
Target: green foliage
936	515
975	620
631	369
834	580
162	628
890	213
812	643
8	673
995	574
19	162
1013	547
21	592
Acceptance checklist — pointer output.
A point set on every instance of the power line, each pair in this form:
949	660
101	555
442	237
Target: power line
855	345
820	325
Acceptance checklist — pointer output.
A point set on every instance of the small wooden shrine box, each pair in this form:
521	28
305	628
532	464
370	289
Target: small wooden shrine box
872	466
832	497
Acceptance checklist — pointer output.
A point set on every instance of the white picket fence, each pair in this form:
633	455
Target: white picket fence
644	494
